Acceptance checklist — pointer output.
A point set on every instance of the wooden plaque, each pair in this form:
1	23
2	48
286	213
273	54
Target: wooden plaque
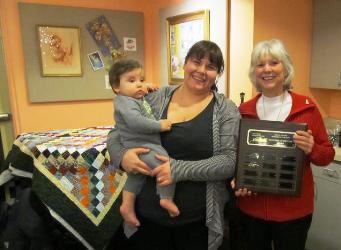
268	160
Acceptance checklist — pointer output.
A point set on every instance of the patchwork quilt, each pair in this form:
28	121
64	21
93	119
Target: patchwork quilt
73	177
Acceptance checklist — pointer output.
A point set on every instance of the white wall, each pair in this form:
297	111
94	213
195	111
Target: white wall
218	30
241	40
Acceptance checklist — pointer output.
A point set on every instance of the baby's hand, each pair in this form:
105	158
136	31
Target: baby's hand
151	87
166	125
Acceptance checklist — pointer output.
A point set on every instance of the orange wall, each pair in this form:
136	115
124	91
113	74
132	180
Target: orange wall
291	21
46	116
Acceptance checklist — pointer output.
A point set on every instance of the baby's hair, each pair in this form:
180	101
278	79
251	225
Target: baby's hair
119	68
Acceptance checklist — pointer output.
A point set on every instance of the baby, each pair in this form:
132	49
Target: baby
138	127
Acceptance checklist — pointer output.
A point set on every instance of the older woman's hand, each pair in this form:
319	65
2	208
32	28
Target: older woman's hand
163	173
304	140
131	162
242	191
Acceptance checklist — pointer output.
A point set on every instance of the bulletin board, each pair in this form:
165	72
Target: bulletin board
90	83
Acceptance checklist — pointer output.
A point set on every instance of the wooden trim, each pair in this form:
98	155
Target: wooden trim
228	34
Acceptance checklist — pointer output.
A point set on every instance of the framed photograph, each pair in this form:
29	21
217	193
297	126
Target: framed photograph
95	60
182	32
59	50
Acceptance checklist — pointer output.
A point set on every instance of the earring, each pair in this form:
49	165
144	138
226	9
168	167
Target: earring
216	79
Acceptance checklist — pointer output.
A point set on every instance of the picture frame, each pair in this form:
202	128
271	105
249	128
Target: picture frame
182	32
59	49
95	60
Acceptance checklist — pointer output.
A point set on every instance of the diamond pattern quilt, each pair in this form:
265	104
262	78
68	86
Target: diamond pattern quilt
72	176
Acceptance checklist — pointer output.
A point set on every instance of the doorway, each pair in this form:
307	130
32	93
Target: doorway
6	126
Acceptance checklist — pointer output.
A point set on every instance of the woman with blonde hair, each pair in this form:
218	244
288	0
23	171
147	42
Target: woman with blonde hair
276	219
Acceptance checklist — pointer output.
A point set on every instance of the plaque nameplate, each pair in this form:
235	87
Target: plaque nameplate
270	138
268	160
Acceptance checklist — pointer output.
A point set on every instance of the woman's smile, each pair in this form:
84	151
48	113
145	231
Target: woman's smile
269	78
198	77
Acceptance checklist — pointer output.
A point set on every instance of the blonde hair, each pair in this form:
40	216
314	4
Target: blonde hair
276	50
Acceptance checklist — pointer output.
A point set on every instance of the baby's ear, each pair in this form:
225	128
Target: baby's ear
115	89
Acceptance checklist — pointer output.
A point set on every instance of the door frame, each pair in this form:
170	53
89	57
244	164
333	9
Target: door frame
6	123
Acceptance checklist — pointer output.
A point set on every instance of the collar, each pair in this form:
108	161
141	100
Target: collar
299	103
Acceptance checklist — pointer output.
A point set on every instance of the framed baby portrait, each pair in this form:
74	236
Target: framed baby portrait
59	50
182	32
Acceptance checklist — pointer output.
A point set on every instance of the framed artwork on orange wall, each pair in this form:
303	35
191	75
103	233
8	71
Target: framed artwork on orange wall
59	50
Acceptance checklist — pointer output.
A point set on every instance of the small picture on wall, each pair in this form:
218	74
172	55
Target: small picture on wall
129	43
95	60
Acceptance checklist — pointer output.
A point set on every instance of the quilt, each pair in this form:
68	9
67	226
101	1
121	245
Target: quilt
72	175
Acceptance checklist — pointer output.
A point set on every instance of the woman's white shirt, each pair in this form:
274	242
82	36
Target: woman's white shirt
274	108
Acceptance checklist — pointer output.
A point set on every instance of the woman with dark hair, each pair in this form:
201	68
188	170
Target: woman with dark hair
202	153
275	220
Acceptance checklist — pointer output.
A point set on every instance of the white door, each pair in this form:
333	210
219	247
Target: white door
6	126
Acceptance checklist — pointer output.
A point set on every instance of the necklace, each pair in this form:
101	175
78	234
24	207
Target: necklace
280	109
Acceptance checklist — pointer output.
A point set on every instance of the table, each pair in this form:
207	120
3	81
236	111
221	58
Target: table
72	176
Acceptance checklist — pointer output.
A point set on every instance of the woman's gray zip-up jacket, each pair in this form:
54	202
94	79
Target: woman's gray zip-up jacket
214	170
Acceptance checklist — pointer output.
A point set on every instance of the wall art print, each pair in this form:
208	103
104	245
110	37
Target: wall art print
129	44
103	35
59	50
95	60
